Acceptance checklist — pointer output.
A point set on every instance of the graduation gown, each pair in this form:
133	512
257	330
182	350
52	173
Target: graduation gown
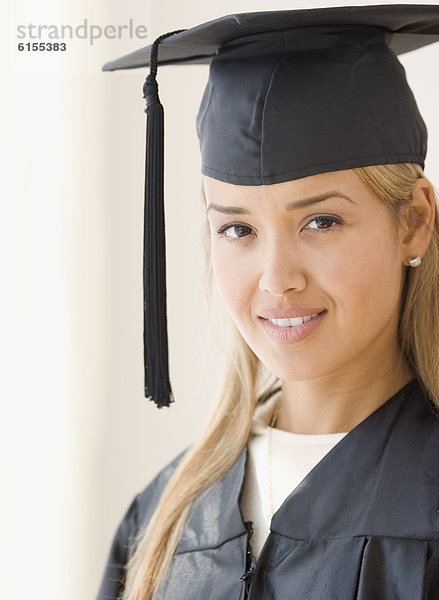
362	525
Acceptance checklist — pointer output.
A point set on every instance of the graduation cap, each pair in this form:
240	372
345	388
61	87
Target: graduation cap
290	94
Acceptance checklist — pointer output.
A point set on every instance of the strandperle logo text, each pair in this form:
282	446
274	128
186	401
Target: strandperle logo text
83	31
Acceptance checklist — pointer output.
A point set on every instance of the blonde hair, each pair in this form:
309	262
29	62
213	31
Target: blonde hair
246	379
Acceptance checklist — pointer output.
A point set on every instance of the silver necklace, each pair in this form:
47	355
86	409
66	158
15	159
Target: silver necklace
270	483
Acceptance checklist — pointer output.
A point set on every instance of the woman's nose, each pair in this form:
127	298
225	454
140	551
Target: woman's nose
282	270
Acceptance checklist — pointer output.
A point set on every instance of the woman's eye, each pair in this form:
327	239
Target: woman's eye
235	231
320	224
323	223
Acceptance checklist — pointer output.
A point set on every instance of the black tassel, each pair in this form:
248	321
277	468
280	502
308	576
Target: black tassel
155	331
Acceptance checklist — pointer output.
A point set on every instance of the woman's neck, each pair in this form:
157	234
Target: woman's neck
339	402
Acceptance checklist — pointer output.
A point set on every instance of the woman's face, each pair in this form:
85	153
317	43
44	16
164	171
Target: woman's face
320	245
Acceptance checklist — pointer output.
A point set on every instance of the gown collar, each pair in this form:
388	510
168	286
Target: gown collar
372	482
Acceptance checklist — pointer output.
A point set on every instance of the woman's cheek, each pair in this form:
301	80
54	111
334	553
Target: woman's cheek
363	282
234	276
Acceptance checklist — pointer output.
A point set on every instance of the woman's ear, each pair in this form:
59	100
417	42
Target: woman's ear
419	220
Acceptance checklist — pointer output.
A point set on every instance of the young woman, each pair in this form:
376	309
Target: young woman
318	475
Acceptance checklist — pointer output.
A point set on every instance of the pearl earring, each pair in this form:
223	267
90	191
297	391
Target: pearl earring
415	261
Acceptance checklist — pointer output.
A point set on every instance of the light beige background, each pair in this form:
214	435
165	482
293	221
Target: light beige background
78	439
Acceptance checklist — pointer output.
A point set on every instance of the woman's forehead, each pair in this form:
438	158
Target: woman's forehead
334	183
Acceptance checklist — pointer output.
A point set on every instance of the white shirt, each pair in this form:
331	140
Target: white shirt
293	456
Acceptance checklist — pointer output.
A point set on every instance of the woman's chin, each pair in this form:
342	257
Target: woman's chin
296	368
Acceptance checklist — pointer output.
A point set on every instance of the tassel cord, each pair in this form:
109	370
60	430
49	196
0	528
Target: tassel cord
155	336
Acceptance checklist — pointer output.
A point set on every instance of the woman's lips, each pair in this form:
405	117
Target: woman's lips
292	334
289	313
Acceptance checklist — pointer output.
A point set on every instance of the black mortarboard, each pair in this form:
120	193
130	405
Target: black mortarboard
290	94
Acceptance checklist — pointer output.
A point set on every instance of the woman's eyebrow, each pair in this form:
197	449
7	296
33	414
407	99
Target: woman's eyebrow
237	210
317	199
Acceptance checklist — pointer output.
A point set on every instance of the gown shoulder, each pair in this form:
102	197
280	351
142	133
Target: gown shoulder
130	528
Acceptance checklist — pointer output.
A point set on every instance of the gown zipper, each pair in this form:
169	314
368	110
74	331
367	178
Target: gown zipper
250	563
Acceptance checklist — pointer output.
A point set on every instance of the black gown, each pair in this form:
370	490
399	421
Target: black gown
362	525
